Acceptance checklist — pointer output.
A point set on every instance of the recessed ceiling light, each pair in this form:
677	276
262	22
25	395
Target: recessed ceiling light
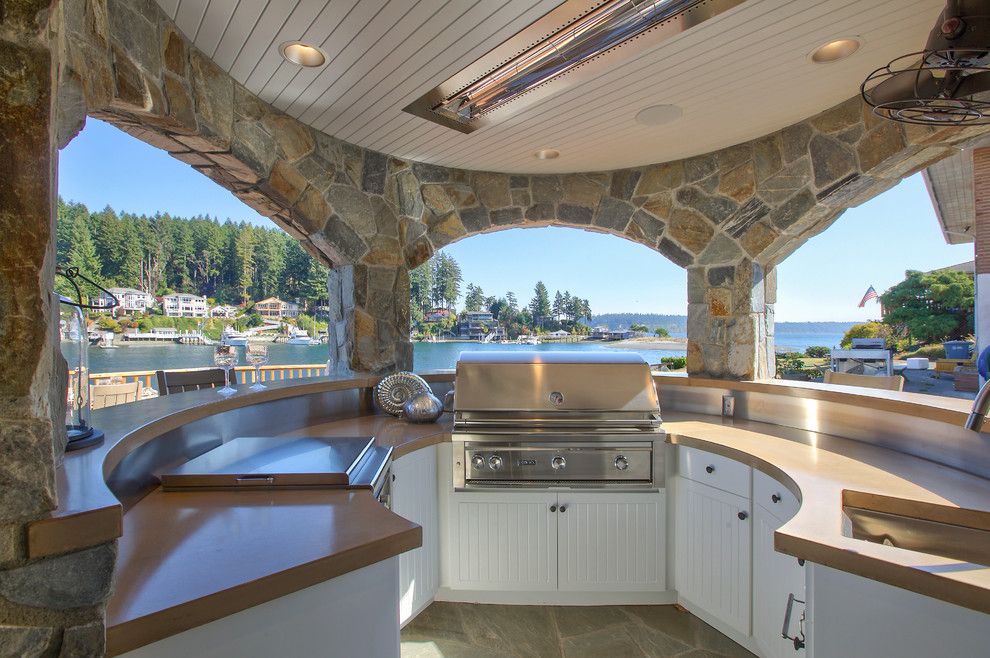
303	54
835	50
657	115
546	154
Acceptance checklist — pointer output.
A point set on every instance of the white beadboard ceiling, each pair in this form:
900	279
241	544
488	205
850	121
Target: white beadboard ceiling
738	76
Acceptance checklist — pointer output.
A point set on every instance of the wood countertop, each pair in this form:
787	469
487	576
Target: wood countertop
188	558
826	471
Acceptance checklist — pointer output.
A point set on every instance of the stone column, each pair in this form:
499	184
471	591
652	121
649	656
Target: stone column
730	320
981	246
51	605
369	319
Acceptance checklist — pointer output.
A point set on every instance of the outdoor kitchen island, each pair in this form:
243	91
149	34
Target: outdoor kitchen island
172	581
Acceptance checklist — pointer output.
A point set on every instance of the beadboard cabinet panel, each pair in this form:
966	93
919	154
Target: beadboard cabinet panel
611	541
414	497
504	541
713	531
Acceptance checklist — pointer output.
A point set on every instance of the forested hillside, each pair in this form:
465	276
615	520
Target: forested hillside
231	262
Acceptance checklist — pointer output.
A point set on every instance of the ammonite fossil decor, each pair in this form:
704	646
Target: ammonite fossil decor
393	391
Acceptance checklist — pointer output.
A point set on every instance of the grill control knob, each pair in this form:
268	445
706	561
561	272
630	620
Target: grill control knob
495	462
478	461
558	463
621	463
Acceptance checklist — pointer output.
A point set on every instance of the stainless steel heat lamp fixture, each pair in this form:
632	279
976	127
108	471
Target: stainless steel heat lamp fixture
948	83
571	40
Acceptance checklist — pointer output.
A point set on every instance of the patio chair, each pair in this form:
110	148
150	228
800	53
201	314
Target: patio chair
108	395
180	381
895	383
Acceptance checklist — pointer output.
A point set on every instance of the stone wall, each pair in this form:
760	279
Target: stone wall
728	217
50	606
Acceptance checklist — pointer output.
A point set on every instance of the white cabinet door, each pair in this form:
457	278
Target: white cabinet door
713	533
414	497
775	575
503	541
610	541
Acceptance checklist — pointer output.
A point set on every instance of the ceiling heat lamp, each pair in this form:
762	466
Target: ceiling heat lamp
947	83
569	40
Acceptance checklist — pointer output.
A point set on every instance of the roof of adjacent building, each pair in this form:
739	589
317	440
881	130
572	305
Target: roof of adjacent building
950	186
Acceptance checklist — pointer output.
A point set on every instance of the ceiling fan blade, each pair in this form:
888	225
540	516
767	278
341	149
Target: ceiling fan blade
975	83
905	86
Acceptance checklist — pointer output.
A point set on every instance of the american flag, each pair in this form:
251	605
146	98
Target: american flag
870	294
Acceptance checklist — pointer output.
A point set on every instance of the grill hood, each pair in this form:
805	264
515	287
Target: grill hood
554	388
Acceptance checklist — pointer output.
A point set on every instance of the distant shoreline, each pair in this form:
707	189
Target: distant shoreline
670	344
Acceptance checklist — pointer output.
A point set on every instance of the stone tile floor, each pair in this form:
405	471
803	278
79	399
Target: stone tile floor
465	630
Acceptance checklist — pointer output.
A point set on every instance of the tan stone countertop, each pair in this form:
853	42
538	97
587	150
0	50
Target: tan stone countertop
947	410
826	471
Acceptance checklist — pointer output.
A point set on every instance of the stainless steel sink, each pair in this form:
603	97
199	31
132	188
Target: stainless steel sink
957	542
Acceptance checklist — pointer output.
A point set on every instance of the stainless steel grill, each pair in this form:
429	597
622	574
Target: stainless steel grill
556	419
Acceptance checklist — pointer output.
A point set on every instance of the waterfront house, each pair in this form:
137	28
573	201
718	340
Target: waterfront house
273	308
560	333
290	309
601	332
224	311
130	300
760	517
184	305
479	325
437	314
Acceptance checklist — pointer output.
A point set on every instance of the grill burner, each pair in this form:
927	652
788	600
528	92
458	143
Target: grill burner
555	419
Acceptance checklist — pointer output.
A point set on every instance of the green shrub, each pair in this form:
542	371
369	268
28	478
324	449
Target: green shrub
674	362
932	352
867	330
818	352
107	323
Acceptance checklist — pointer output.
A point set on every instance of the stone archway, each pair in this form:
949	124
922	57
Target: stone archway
728	217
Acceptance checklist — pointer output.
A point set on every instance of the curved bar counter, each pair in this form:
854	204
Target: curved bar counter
186	559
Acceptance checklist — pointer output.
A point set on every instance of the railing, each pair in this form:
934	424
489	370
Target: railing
241	374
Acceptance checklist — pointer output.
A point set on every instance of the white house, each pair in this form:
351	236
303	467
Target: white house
560	333
223	311
183	305
131	300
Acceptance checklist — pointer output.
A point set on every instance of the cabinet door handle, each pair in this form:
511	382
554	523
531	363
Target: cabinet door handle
775	498
798	639
563	508
743	516
709	469
553	508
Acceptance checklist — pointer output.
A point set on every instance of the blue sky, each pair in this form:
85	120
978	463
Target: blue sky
824	280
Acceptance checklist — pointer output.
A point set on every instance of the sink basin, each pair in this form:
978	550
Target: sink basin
957	542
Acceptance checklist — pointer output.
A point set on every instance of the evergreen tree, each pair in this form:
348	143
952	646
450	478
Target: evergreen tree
244	249
559	308
82	254
420	291
540	304
474	299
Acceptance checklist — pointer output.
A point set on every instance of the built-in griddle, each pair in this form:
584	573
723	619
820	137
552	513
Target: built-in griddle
266	461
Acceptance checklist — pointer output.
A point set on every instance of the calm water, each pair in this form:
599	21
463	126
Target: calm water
427	356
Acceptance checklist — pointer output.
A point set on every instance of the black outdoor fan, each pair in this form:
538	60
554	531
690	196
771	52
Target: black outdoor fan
946	83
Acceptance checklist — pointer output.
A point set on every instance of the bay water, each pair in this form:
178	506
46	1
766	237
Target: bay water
426	356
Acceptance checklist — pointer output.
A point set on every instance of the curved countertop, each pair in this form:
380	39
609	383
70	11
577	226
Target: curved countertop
220	552
826	472
188	558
